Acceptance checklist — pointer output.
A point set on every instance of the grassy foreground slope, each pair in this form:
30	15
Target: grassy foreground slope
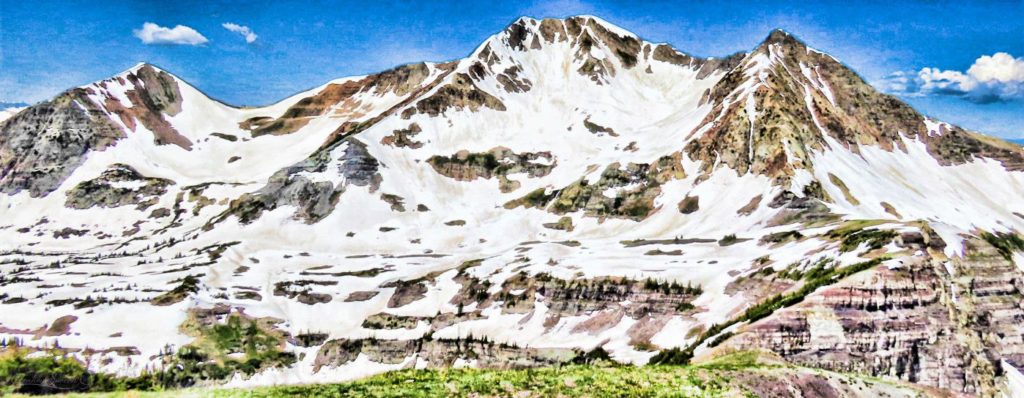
739	375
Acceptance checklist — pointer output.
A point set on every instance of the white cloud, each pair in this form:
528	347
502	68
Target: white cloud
992	78
1001	67
249	35
152	33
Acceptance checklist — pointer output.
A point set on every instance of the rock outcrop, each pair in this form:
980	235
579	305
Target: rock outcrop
313	199
42	145
944	323
498	162
625	192
119	185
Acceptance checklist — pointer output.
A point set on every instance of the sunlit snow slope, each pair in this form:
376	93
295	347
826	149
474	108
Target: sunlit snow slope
566	186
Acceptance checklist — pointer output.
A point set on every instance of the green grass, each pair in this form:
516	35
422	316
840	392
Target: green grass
567	381
853	234
48	375
537	198
20	374
209	356
240	345
729	375
570	381
1005	243
854	225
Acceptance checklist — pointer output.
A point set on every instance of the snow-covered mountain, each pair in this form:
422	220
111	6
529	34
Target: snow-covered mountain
566	186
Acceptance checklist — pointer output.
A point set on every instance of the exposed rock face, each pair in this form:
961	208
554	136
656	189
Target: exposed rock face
707	66
187	286
314	199
460	93
317	199
598	129
916	322
955	146
512	82
634	187
606	301
804	209
689	204
388	321
751	127
120	185
195	194
153	94
889	322
586	296
564	223
771	127
577	277
989	291
341	98
601	303
300	290
584	34
41	146
499	162
397	202
302	112
406	292
509	78
625	48
404	137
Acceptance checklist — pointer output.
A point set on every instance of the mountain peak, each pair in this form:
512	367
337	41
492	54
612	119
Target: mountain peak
596	21
140	65
782	38
579	20
778	35
145	67
526	32
492	196
586	31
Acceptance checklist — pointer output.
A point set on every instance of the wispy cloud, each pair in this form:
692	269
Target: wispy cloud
152	33
247	33
992	78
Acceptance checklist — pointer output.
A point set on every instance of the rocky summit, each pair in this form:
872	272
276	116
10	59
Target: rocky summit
568	191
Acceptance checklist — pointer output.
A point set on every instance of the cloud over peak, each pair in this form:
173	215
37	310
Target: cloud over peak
152	33
247	33
992	78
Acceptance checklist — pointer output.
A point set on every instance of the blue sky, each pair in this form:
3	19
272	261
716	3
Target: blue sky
49	46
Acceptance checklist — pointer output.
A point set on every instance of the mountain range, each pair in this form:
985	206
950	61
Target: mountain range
567	188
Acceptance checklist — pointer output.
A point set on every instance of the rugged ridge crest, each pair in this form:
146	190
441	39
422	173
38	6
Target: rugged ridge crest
568	191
